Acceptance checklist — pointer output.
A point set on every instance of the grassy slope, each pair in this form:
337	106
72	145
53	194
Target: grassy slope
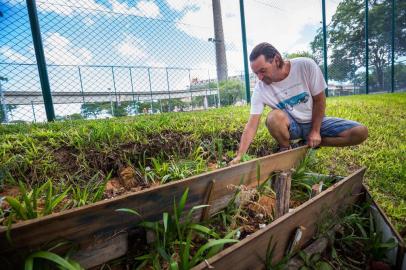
384	153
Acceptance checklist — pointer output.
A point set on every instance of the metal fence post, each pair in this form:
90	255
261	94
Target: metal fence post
114	85
150	90
366	49
393	48
33	111
169	90
81	85
190	90
132	88
325	44
244	46
40	56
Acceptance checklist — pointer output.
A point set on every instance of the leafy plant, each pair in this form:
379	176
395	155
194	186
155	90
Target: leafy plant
174	238
44	259
313	262
269	263
90	193
40	201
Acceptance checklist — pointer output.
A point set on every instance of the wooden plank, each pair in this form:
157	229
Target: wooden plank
80	224
108	249
250	252
401	254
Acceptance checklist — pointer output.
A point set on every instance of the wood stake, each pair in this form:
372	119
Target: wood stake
282	189
206	210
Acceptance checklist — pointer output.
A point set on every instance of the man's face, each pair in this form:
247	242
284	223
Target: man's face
266	71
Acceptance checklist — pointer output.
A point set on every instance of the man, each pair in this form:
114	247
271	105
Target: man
294	89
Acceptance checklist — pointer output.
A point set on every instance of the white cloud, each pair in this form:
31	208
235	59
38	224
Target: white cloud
180	5
144	8
13	55
58	50
131	47
148	9
281	24
88	21
67	8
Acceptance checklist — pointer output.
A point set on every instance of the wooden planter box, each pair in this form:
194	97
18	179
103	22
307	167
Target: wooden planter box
250	253
101	233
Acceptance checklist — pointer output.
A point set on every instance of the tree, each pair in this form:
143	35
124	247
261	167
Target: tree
302	54
92	109
347	43
231	91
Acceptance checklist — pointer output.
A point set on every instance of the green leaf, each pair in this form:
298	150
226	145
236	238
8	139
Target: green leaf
128	210
165	220
323	266
50	257
210	244
17	207
204	229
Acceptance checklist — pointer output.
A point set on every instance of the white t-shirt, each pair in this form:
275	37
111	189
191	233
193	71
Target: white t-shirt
294	93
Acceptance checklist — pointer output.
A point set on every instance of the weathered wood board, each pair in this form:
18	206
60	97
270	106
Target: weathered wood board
250	252
101	221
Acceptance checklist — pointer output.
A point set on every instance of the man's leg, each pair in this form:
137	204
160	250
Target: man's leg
352	136
277	123
341	132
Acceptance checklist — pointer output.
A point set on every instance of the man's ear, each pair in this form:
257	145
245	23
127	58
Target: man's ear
278	61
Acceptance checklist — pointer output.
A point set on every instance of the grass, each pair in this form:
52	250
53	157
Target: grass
68	153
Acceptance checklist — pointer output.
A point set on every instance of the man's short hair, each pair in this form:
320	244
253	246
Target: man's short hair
266	50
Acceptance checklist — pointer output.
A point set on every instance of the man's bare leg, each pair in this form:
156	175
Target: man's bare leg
277	123
352	136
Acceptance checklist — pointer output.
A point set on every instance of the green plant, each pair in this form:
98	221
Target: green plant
27	205
269	263
374	244
89	193
313	262
48	260
174	238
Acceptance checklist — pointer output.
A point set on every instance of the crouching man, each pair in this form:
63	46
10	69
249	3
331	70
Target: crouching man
294	89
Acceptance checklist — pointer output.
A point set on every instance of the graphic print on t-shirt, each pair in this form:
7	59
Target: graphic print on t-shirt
293	101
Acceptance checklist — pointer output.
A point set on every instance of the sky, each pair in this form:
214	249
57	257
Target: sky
144	34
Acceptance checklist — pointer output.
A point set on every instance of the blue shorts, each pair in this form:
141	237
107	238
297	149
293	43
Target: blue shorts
330	127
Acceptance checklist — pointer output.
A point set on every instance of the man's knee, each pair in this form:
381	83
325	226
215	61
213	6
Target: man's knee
357	134
361	133
276	119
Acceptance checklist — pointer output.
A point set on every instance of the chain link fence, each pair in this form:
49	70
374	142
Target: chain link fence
116	58
108	58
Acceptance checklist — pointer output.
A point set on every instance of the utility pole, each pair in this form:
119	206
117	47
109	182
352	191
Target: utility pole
221	60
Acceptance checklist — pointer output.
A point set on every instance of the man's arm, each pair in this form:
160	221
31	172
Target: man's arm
319	108
247	136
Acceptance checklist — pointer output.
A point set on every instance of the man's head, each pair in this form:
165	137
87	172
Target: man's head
266	62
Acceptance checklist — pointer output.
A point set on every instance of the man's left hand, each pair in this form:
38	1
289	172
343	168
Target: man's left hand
314	139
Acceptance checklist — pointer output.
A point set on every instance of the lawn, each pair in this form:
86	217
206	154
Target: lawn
80	152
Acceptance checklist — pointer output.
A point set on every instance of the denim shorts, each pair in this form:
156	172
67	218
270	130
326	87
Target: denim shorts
330	127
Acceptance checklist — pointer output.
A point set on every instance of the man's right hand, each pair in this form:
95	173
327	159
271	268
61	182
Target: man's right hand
236	160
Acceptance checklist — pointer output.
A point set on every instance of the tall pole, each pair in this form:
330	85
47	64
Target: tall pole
150	90
366	49
221	59
41	63
3	102
393	48
325	44
244	49
81	86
